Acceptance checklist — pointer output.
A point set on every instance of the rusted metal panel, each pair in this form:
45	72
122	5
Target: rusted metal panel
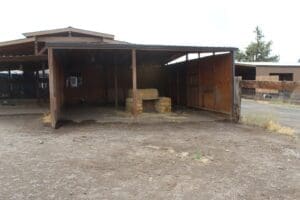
224	81
209	83
213	89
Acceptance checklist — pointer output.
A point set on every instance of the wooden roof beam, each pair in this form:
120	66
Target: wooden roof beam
15	42
30	58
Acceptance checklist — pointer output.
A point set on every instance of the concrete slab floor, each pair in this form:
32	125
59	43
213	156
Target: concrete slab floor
112	115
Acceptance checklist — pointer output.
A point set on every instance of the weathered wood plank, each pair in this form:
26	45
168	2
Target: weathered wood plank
237	99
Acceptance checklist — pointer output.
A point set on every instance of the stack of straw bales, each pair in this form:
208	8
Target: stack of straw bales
163	105
129	103
145	94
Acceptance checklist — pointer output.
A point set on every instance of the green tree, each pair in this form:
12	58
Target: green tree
257	51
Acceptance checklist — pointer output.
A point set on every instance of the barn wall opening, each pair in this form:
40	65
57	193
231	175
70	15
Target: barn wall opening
103	78
24	84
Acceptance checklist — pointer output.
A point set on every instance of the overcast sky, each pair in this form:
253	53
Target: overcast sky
185	22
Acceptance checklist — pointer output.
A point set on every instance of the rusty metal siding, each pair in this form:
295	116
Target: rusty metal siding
208	84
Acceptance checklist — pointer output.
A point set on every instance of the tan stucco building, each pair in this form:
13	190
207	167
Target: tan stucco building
253	70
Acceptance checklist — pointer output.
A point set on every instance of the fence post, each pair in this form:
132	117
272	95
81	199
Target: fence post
237	99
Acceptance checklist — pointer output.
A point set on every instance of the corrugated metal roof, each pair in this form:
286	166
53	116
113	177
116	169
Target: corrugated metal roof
69	29
175	48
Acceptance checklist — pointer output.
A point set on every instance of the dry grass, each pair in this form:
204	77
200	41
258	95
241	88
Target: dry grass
268	122
276	127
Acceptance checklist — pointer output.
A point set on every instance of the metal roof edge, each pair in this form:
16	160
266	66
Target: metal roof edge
71	29
266	64
140	47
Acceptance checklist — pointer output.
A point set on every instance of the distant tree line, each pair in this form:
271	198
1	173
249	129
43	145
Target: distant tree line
258	51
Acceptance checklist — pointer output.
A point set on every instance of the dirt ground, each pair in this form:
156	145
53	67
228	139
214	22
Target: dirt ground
174	160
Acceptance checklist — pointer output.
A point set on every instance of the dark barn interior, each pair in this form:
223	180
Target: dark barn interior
24	80
106	76
246	73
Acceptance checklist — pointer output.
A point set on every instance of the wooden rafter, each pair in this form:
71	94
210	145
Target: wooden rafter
42	51
28	58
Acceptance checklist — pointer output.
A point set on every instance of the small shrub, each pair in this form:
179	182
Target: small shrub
198	155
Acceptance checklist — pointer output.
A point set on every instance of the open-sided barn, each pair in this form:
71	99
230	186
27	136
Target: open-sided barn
94	68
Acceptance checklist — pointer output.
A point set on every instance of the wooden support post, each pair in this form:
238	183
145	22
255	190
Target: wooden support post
237	99
9	84
235	109
36	47
177	87
43	82
116	84
187	57
106	83
37	85
52	89
134	82
199	55
214	81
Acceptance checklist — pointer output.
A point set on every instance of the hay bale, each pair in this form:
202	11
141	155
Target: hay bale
129	105
267	78
145	94
163	105
46	120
